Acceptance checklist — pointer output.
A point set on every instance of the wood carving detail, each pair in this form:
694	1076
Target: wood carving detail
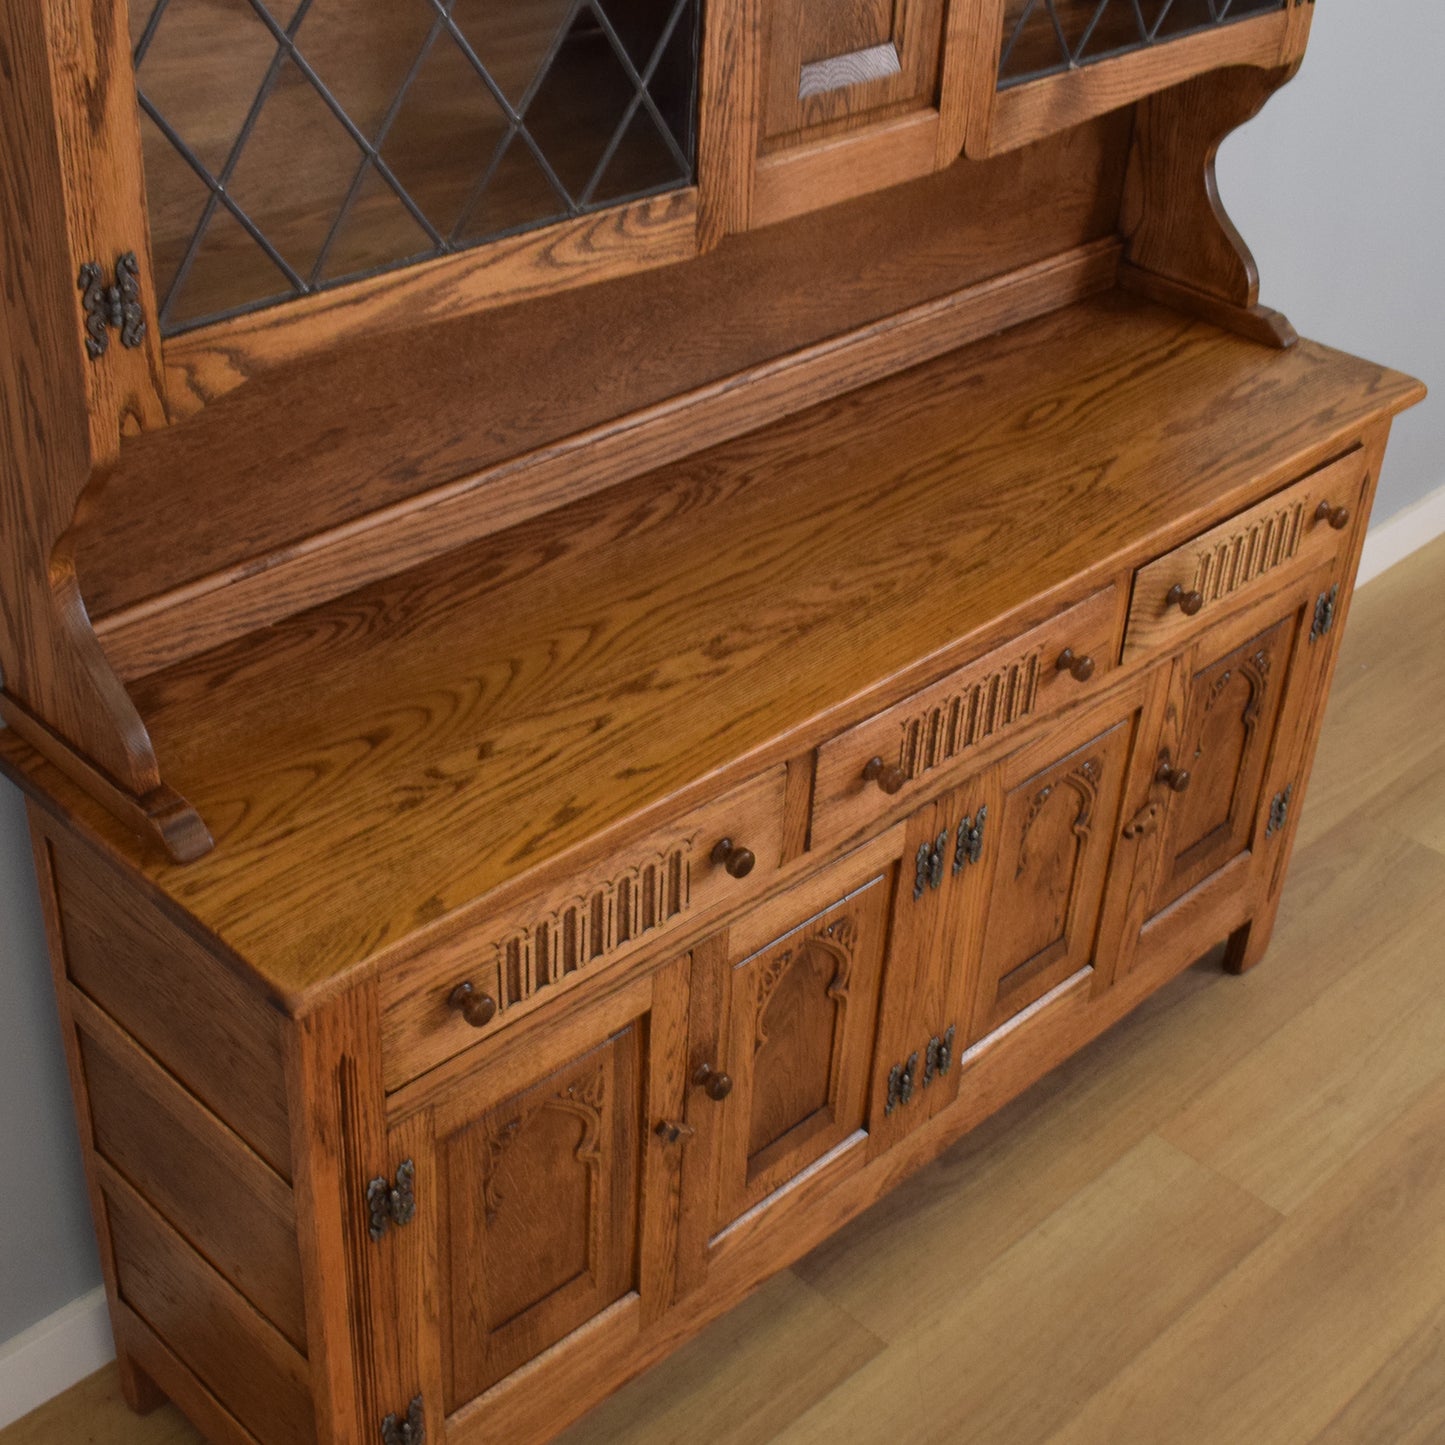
1236	561
939	734
1084	780
596	923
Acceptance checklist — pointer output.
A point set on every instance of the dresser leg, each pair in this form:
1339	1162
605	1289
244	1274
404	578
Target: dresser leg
137	1388
1248	944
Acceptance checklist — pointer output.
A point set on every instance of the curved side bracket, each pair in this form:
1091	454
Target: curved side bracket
59	691
1180	247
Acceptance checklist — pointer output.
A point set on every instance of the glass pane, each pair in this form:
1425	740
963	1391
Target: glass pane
292	145
1045	37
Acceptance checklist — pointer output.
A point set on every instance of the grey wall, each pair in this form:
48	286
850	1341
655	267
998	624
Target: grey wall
1340	188
47	1255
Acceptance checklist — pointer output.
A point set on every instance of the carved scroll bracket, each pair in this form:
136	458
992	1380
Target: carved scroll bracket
1181	248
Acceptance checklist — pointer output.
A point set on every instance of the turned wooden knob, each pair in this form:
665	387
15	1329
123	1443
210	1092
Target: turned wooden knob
714	1084
1081	669
1173	778
889	776
738	861
670	1131
479	1009
1337	517
1187	602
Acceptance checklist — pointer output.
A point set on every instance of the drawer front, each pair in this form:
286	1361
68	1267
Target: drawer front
1305	526
895	759
530	951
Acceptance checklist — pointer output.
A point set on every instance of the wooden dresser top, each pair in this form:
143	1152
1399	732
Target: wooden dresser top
373	765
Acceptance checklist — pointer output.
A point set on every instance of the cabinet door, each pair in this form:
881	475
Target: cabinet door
785	1006
1228	693
556	1184
1051	840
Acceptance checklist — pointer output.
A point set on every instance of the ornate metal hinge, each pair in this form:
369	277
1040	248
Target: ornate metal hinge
938	1059
116	306
1279	811
970	840
929	865
392	1204
411	1431
1325	613
900	1083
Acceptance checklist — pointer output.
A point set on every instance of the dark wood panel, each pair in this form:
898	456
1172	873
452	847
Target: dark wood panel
240	1358
219	1195
221	1039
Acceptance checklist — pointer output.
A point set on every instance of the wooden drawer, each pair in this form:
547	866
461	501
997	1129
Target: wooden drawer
1306	525
894	759
532	949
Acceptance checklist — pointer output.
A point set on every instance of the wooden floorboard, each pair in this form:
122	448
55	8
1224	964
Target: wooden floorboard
1222	1222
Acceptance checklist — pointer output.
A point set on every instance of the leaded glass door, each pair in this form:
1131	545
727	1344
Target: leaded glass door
291	146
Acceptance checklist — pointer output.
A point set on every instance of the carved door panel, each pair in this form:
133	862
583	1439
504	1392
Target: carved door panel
1049	854
557	1167
785	1006
1227	698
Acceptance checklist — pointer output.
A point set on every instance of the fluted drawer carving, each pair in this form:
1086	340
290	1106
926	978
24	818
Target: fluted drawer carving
1244	556
937	731
596	914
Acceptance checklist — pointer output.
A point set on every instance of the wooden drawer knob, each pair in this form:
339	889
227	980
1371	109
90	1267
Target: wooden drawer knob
1337	517
479	1009
1173	778
1081	669
714	1084
738	861
1187	602
889	776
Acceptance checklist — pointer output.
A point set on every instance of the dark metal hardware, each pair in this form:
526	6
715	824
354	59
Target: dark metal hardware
737	860
479	1009
889	776
1175	779
900	1083
1324	613
116	306
670	1132
716	1085
1279	811
392	1204
411	1431
1337	517
1081	669
938	1059
929	864
969	848
1187	602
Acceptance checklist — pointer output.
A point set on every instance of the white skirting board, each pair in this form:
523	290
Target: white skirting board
1394	539
53	1355
75	1341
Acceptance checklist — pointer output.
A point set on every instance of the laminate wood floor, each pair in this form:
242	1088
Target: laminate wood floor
1223	1222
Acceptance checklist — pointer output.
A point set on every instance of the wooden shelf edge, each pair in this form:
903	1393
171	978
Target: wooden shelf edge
160	815
662	230
176	625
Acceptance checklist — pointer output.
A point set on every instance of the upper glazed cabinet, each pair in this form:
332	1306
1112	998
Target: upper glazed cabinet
250	181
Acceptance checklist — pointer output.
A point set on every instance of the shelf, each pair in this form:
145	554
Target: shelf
374	764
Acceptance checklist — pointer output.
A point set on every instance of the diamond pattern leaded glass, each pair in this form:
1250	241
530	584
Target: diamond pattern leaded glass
293	145
1045	37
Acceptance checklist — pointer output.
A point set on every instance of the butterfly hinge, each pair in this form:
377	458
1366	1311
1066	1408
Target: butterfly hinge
392	1204
113	307
409	1431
